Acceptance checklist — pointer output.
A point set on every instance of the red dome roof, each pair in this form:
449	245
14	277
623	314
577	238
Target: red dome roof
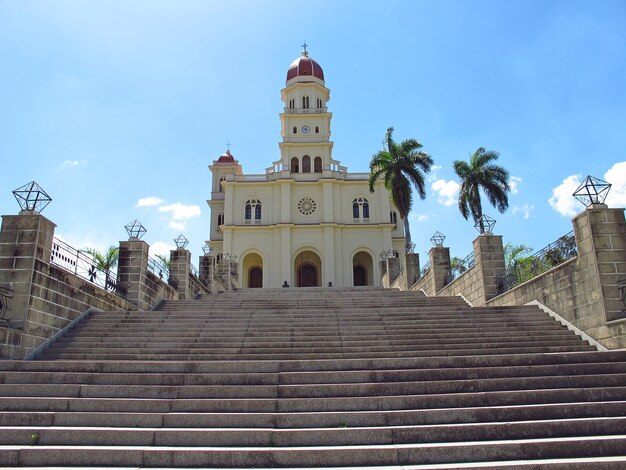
304	66
226	158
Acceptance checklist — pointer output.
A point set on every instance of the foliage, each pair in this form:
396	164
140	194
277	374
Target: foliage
523	268
514	254
457	266
482	174
164	260
401	165
104	261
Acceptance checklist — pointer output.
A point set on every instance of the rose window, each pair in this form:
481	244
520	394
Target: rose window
307	206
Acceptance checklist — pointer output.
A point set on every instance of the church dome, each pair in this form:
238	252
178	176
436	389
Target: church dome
226	158
304	66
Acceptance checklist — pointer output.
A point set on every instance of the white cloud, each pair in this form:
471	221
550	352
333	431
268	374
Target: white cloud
525	210
432	176
617	177
180	211
447	191
177	225
419	217
562	200
148	201
74	163
161	248
514	182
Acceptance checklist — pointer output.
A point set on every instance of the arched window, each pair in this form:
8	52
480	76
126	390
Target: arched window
292	103
253	206
393	217
317	129
295	165
320	105
295	130
305	102
317	165
306	164
220	187
360	210
220	219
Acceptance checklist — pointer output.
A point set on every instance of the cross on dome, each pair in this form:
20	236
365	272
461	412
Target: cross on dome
304	51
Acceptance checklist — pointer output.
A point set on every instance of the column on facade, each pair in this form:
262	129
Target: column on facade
285	253
329	202
285	202
329	256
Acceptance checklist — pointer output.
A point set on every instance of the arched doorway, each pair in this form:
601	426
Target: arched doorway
308	269
362	269
255	277
252	271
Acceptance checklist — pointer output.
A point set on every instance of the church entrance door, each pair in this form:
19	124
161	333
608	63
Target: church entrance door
307	276
360	276
255	279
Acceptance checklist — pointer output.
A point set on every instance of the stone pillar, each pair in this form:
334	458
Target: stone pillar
25	241
411	268
180	268
393	268
205	270
601	241
439	266
489	255
132	267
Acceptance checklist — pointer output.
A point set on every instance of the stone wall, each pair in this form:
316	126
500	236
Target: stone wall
45	297
584	290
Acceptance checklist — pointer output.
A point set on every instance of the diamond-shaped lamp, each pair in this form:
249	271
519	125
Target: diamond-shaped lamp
409	247
31	197
206	249
135	229
437	238
181	242
383	255
485	224
592	191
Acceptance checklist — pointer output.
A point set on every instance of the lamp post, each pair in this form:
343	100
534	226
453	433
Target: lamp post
135	229
592	191
31	197
437	238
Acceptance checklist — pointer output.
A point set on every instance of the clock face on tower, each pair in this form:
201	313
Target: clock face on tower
306	129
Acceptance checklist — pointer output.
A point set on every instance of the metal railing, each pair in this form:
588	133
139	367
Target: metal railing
194	271
158	268
82	264
458	267
524	269
6	293
305	110
425	269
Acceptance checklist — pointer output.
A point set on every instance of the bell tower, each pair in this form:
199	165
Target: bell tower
305	121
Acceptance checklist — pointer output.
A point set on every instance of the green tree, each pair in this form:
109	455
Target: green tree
163	259
482	174
401	165
515	254
104	261
457	266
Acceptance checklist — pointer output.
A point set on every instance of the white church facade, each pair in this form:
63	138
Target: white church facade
307	220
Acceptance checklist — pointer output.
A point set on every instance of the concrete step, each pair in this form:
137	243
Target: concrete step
367	455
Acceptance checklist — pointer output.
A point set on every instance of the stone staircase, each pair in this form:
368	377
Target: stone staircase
317	378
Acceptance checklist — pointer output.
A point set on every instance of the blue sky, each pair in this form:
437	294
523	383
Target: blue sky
106	103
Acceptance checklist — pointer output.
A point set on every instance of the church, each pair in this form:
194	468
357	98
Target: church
307	221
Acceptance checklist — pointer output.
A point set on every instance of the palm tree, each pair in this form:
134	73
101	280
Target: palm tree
401	165
482	173
104	261
163	259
